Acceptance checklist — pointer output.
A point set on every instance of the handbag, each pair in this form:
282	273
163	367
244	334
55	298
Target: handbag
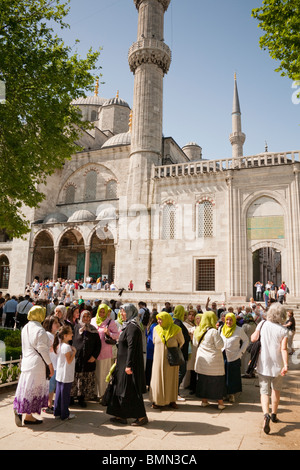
254	350
109	391
174	356
108	339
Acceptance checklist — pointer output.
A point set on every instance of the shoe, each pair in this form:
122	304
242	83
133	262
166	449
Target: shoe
203	404
274	418
28	422
140	422
174	405
231	398
179	398
221	407
49	410
155	407
118	420
71	416
266	427
18	419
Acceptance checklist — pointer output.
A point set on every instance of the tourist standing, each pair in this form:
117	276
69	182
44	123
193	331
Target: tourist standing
272	363
129	378
235	344
165	378
104	325
87	342
33	389
209	363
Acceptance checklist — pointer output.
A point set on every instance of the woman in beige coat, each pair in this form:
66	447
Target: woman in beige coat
164	379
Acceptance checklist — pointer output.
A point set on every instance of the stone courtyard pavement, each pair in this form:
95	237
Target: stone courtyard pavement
188	429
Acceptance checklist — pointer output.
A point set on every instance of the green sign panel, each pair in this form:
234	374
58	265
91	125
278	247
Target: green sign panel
265	228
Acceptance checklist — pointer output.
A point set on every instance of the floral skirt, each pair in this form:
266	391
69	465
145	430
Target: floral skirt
32	392
84	385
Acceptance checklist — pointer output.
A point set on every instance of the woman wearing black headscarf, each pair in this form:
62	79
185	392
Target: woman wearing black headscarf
129	377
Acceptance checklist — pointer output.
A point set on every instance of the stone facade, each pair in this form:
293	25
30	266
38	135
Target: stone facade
133	205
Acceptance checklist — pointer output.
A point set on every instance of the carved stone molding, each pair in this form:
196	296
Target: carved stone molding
165	3
149	51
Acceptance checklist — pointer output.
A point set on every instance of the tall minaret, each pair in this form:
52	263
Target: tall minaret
237	137
149	59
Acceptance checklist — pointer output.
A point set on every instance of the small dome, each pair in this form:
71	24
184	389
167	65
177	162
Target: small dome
89	100
119	139
81	216
55	218
116	101
106	213
191	144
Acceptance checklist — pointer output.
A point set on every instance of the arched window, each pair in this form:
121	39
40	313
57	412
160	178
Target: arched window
111	190
70	194
94	115
4	272
205	219
91	186
169	222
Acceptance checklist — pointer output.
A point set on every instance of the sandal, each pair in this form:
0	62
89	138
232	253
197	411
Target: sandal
118	420
140	421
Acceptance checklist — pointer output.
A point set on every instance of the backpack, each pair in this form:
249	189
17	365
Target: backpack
146	316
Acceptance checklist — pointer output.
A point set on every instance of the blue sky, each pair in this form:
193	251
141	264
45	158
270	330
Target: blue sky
210	41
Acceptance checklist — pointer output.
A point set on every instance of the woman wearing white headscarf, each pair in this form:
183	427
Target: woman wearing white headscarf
33	389
87	343
129	378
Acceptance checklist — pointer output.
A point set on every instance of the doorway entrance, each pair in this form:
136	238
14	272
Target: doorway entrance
267	266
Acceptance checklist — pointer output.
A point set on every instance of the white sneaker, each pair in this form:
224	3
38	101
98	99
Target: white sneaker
179	398
204	404
221	407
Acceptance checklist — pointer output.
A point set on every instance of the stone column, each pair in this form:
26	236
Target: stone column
87	262
55	263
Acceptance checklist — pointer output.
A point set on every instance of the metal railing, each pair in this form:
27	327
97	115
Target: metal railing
215	166
10	372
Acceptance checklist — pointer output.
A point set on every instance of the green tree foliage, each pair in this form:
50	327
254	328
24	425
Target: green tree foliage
38	124
280	20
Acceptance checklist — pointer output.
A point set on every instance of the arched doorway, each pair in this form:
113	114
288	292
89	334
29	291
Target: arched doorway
266	267
266	242
43	256
71	256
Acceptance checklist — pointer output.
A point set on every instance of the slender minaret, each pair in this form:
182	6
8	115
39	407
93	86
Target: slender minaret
237	137
149	59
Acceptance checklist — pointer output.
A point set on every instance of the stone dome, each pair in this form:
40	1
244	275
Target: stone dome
116	101
55	218
89	100
106	213
118	139
81	216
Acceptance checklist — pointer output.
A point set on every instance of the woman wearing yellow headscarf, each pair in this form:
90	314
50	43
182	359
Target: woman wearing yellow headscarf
33	389
103	323
235	344
179	316
165	378
209	364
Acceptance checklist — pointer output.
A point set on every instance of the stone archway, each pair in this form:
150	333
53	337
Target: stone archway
43	256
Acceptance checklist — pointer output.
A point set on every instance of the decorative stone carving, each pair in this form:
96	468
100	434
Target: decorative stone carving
149	51
165	3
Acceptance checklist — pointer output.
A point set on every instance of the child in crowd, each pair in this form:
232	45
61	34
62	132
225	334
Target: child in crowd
64	372
51	325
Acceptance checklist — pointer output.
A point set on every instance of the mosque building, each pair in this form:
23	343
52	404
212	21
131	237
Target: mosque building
132	205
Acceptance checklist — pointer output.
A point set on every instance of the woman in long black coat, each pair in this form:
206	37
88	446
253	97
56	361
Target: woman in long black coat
88	346
129	376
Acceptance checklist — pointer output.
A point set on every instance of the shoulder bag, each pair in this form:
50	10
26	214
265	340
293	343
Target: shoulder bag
254	350
108	339
174	356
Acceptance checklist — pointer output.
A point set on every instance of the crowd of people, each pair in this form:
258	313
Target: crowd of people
113	353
